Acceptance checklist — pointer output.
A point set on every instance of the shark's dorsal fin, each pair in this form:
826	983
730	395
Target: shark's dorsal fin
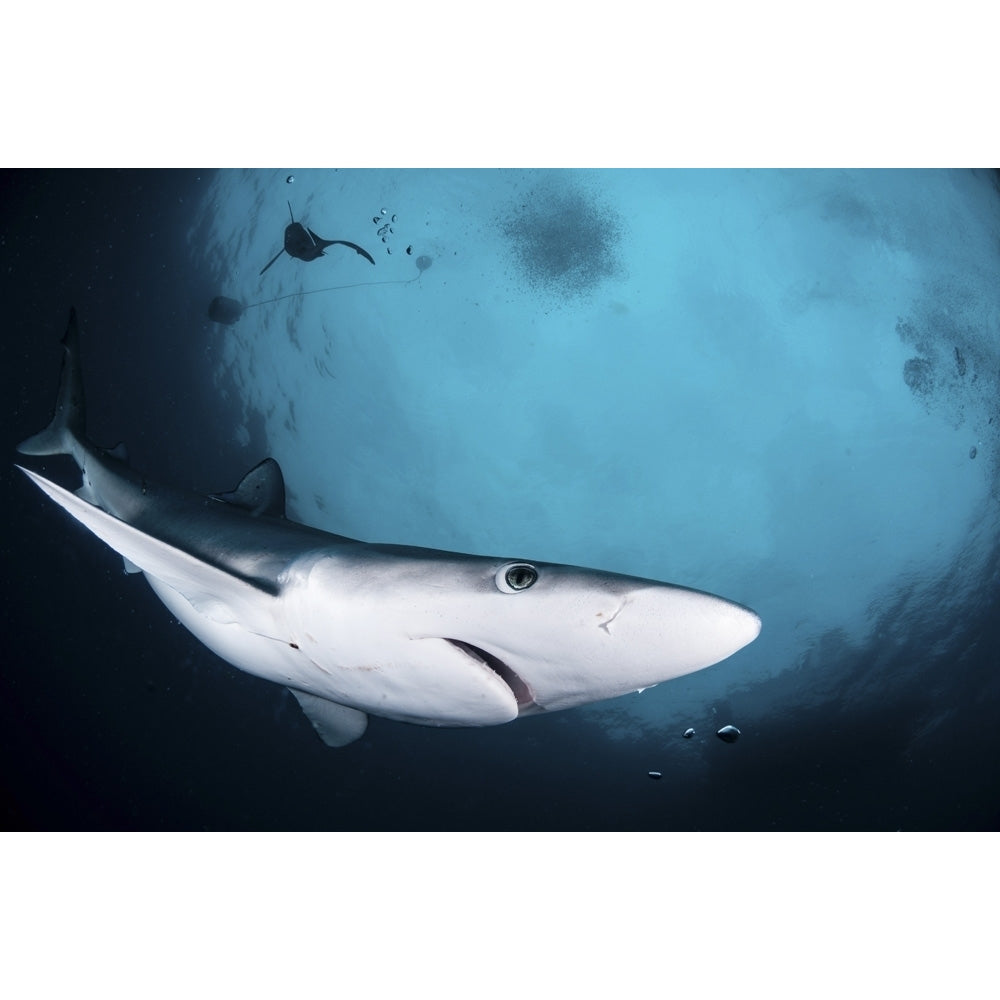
261	490
336	725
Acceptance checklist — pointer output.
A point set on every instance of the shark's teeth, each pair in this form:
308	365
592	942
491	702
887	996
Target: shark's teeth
519	688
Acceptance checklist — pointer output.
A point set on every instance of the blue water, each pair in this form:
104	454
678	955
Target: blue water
778	386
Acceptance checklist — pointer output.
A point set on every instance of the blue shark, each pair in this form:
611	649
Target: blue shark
355	629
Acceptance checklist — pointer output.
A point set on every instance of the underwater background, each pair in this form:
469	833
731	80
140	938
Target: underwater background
778	386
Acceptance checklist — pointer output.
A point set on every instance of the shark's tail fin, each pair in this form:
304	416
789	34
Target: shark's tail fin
68	425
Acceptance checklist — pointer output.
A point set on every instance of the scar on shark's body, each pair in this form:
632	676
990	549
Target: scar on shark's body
604	625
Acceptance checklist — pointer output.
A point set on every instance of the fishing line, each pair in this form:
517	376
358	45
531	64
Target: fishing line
227	311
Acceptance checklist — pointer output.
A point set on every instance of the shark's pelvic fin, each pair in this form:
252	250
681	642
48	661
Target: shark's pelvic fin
337	725
68	424
261	490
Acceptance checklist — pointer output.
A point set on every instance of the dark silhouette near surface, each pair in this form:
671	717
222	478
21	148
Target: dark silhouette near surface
304	244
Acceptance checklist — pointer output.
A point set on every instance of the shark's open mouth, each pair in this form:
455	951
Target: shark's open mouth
519	688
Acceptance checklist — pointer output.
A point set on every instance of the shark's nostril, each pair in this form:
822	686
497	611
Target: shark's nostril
522	693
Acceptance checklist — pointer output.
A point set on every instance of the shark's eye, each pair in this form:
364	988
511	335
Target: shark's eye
515	576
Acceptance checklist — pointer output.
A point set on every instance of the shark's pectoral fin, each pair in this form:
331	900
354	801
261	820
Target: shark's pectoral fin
271	261
215	593
337	725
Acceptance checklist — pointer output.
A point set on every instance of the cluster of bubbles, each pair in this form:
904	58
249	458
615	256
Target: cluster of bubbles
386	229
728	734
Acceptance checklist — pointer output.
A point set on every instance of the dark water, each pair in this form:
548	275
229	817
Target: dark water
114	717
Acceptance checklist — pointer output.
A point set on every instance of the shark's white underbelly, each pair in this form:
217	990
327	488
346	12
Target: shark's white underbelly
429	681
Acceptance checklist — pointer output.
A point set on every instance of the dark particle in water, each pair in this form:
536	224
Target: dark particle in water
728	734
290	179
919	376
409	249
972	452
376	219
688	733
394	218
223	309
564	239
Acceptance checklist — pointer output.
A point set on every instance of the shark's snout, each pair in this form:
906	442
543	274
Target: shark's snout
612	638
686	628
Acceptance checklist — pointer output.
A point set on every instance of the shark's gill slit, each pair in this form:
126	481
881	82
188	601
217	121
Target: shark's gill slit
522	693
